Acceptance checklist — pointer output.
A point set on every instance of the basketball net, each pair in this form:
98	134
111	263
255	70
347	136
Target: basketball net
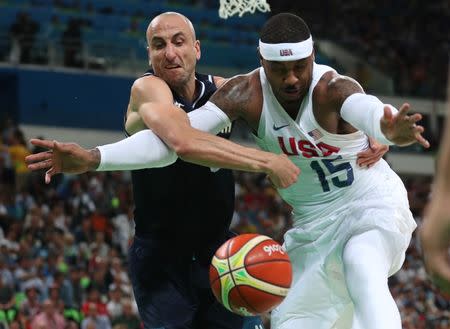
230	8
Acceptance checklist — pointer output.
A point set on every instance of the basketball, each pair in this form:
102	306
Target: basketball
250	274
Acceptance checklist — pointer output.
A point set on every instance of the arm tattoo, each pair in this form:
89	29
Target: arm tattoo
340	87
233	97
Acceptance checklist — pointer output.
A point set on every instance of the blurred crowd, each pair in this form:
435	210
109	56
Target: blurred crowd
63	246
407	40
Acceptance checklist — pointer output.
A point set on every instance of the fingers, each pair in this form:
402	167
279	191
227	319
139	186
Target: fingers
387	115
418	130
42	156
42	143
369	162
46	164
415	118
422	141
372	155
48	175
402	112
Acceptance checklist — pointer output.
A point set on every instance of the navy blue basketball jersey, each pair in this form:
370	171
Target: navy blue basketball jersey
185	204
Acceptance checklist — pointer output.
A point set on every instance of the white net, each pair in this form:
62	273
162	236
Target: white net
230	8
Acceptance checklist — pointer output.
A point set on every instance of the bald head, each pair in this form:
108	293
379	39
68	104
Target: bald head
169	20
173	50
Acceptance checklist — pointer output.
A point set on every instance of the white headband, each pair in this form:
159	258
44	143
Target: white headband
282	52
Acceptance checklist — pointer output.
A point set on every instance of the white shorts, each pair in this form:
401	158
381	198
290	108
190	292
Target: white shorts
318	298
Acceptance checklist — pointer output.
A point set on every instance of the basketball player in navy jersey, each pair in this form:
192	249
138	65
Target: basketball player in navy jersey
183	207
182	211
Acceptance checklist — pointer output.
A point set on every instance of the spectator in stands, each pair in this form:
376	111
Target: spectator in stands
94	298
115	305
94	319
23	33
7	296
78	290
31	305
7	173
48	318
63	287
123	228
128	319
18	150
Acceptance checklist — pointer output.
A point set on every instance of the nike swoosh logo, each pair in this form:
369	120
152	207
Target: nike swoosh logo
279	127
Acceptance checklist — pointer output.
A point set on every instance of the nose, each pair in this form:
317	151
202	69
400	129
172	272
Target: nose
290	78
170	52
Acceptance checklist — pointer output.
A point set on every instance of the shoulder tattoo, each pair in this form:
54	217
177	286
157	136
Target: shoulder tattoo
340	87
233	96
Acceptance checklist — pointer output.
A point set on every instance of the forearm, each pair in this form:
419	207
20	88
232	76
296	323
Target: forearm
141	150
364	112
192	144
212	151
146	150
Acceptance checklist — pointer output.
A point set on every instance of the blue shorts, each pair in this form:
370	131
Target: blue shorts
173	291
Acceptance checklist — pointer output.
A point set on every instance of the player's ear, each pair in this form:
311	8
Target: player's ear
259	55
149	58
198	52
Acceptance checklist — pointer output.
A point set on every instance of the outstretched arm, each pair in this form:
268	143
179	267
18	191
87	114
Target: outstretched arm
368	114
435	230
202	148
172	125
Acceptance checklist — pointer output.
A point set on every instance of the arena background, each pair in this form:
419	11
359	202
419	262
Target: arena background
66	68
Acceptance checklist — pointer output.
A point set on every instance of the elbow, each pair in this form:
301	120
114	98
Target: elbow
183	147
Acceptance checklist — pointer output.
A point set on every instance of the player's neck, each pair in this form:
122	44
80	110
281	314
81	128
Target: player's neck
291	107
189	90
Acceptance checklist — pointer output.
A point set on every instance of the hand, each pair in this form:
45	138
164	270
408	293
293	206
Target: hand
62	158
372	155
283	172
435	240
401	128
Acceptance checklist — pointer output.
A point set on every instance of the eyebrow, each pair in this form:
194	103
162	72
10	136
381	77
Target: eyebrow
176	35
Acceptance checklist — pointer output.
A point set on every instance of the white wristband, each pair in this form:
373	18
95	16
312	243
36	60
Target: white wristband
146	150
364	112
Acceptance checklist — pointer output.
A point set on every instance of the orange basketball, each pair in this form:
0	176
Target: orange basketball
250	274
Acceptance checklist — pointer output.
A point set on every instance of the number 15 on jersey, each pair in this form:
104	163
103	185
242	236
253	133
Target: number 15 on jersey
322	167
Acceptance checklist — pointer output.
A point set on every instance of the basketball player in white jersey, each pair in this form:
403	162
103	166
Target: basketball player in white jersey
352	225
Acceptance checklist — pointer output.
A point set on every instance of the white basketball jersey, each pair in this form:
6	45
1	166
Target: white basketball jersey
329	175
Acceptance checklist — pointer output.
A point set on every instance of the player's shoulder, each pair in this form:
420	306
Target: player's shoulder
245	81
333	89
149	84
238	95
